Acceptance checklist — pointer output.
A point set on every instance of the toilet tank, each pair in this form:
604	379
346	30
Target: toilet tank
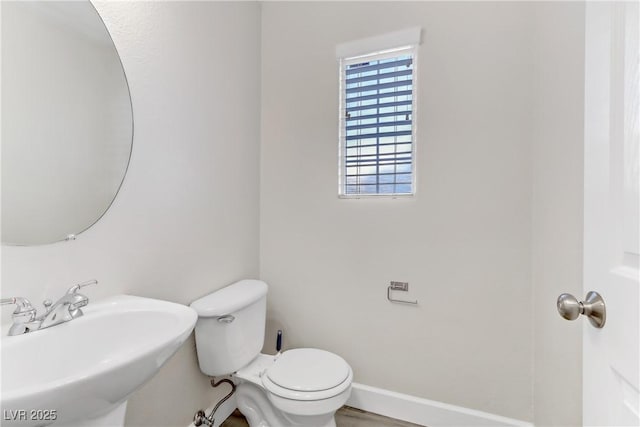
230	326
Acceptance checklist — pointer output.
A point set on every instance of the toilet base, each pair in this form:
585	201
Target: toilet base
256	407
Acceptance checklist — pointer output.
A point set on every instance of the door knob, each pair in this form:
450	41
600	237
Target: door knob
593	307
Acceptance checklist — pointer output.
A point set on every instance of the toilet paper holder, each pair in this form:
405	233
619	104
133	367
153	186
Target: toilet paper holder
399	286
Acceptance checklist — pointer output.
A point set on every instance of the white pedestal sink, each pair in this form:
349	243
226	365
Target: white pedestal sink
86	369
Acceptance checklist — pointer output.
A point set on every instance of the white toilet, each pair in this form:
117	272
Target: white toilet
300	387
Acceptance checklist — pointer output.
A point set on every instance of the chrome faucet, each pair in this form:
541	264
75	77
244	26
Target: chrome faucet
67	308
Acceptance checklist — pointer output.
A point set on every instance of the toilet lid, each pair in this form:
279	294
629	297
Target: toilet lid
308	369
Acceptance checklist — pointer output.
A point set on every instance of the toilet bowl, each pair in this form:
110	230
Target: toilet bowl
299	387
304	387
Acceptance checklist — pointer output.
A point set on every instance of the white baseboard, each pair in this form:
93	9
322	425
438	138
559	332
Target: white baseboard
406	408
423	411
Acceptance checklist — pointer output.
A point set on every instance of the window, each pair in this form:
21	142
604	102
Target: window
377	115
377	132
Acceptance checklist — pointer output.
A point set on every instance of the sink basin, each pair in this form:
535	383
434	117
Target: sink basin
89	366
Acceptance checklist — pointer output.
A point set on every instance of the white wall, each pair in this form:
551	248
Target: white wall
557	155
463	243
177	230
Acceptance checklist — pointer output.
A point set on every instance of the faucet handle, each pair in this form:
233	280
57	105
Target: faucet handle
24	310
76	288
78	300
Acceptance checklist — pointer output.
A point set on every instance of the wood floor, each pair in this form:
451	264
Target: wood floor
345	417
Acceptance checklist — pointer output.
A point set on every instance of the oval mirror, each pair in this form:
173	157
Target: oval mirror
67	121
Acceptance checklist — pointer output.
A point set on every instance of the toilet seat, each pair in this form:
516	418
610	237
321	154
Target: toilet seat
307	374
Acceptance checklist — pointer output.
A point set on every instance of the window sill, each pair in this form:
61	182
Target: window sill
377	196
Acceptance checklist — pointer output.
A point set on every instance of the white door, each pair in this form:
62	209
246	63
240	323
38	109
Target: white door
611	355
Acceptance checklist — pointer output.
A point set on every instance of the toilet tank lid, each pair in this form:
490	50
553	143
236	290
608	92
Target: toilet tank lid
231	298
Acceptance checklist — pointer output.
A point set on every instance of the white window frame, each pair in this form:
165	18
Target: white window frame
390	45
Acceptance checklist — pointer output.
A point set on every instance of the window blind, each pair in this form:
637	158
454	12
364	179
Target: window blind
377	134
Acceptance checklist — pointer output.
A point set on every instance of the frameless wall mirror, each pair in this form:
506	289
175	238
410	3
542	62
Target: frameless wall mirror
67	122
